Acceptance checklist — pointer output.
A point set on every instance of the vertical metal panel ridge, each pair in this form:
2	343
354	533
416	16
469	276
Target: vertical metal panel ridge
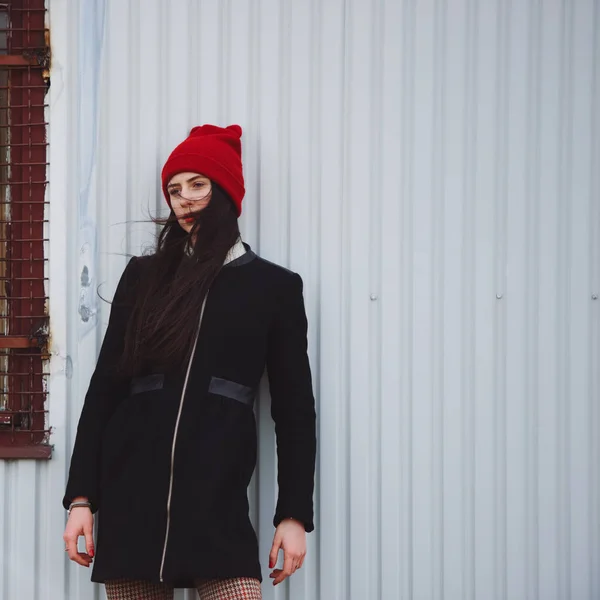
439	296
193	52
286	67
371	291
408	142
549	507
594	290
455	149
486	433
52	574
355	258
302	203
133	147
314	572
565	276
517	397
333	481
389	111
500	267
346	337
62	397
177	78
225	66
531	339
330	533
40	528
376	213
422	348
594	278
469	349
146	115
5	532
111	211
577	390
255	84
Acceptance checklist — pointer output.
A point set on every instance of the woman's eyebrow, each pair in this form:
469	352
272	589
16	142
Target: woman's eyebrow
194	178
188	181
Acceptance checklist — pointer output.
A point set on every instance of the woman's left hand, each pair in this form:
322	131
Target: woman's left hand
290	536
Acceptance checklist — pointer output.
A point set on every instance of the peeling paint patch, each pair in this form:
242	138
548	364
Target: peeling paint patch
69	367
85	309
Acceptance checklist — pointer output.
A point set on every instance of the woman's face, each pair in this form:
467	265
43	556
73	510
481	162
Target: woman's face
189	192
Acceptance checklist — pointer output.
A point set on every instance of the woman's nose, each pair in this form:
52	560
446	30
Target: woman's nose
185	201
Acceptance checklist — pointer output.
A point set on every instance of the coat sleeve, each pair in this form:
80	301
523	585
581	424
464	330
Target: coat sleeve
105	391
292	406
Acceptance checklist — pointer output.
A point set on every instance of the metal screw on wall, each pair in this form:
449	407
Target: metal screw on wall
594	296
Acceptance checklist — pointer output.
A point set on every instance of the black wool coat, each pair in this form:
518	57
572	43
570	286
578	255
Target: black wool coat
167	465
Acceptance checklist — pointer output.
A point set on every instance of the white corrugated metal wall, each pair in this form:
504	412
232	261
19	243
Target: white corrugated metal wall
431	169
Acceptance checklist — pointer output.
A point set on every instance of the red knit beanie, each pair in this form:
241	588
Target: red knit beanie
215	152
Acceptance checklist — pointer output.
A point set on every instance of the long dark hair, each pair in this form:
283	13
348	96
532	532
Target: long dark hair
169	294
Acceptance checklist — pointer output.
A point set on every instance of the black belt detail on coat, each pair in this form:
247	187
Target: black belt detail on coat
233	390
146	383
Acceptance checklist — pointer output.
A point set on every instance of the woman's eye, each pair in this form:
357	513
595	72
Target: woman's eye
174	192
199	184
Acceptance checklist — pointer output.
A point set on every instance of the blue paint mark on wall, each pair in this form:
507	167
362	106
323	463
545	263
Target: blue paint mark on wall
92	20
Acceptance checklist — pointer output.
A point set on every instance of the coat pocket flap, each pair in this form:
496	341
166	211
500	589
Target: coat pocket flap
233	390
146	383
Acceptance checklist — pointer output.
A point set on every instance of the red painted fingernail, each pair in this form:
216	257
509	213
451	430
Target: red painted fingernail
92	553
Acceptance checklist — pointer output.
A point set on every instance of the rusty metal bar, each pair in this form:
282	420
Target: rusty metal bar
18	341
14	60
23	87
9	108
29	298
26	317
20	393
31	355
36	373
28	30
16	260
29	125
38	451
25	183
26	411
20	413
28	203
23	221
30	164
26	145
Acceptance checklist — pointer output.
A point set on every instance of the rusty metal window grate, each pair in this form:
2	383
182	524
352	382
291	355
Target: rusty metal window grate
24	327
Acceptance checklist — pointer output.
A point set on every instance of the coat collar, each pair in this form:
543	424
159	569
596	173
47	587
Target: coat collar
235	252
239	254
243	259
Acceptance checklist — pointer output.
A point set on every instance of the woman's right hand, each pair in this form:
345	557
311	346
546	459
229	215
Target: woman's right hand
81	522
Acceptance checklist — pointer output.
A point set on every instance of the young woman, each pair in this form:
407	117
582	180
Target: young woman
166	442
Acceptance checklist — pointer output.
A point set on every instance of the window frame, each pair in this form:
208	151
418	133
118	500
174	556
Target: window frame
24	322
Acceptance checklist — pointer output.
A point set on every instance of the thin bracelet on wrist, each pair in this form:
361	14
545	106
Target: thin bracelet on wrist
78	504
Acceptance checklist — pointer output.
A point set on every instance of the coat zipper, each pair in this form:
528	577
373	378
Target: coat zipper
187	375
